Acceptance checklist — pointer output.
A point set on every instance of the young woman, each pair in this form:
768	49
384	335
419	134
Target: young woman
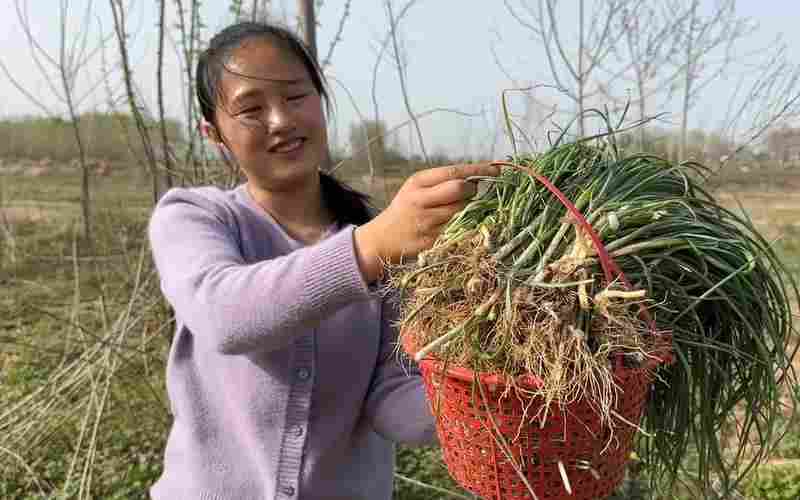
281	376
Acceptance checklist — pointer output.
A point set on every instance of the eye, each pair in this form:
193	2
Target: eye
296	97
250	111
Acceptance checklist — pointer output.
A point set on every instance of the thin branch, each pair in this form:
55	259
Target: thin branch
363	122
22	15
420	484
402	76
565	59
308	22
167	157
22	90
118	13
338	37
37	50
384	45
77	54
416	117
551	60
188	35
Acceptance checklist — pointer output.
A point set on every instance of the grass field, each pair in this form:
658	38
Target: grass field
83	338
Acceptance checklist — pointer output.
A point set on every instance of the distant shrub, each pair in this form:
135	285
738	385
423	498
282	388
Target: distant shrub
111	136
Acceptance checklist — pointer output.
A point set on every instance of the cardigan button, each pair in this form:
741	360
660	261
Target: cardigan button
303	373
288	491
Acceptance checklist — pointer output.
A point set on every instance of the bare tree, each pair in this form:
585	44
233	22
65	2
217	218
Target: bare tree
338	37
189	24
537	111
165	148
260	10
402	65
706	44
377	162
308	25
649	44
255	10
118	13
362	128
572	69
61	73
763	103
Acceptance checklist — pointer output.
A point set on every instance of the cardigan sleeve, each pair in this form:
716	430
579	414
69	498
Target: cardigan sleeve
396	404
236	307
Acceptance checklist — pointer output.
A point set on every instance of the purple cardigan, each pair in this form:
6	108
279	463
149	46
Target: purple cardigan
281	376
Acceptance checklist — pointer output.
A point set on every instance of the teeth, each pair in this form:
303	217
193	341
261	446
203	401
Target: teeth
288	146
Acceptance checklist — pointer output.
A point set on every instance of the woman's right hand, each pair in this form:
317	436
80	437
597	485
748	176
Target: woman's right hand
416	215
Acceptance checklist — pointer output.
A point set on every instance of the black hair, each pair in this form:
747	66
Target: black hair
348	205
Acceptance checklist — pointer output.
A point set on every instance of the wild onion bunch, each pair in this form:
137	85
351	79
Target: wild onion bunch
519	284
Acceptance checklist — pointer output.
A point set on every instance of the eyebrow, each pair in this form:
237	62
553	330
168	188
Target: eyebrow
255	91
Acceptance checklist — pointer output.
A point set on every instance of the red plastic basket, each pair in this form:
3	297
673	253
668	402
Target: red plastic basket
572	435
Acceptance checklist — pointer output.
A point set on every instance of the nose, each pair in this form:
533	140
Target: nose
280	118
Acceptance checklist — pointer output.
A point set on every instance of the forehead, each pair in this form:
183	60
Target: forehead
261	65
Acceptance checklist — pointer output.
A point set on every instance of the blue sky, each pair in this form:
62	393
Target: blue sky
450	63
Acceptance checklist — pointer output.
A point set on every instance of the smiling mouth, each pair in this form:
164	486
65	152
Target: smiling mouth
288	146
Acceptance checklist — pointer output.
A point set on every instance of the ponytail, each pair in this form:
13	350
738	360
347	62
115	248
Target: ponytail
348	205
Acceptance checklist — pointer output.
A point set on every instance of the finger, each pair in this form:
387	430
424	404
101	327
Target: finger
433	176
447	192
436	217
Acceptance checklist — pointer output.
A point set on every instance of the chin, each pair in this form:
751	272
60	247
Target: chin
291	177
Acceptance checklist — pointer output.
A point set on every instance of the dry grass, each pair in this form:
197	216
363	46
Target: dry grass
456	301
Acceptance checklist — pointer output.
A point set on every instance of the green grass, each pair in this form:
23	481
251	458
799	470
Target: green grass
775	482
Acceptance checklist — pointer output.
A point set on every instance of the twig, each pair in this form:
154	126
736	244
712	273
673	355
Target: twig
403	124
118	13
401	72
167	157
26	467
430	487
363	124
338	37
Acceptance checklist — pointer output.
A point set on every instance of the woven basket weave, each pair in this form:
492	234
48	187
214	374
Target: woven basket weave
592	459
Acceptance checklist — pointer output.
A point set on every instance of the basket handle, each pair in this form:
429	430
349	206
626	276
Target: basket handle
609	266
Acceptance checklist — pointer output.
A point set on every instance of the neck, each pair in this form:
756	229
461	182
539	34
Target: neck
296	209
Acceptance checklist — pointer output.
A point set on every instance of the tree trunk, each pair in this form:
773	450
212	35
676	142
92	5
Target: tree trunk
191	113
688	82
402	76
308	25
188	37
118	14
642	108
162	27
66	82
85	189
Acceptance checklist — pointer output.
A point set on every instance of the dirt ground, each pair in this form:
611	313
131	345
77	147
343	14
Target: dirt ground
771	211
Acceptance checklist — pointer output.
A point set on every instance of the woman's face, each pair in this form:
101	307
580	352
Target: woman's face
270	115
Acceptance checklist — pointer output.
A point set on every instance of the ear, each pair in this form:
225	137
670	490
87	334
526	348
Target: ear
210	131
